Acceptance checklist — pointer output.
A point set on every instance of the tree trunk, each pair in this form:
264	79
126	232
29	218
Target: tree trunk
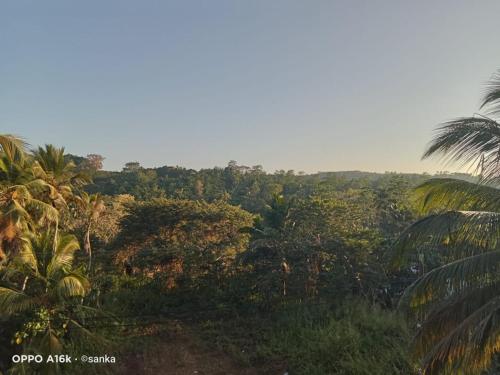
25	283
87	246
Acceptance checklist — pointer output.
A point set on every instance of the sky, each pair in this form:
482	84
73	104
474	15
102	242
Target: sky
306	85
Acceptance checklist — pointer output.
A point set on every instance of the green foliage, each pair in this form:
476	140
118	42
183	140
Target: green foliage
250	187
41	285
457	304
316	339
181	238
42	291
354	339
235	246
307	248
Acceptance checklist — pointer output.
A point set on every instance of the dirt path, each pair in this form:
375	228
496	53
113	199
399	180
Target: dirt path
175	351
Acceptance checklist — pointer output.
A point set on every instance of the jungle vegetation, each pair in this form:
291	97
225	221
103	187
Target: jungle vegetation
327	273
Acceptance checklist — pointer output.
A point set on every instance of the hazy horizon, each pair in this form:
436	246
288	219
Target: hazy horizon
308	86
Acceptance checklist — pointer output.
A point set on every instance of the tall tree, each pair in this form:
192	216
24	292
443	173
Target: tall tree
92	206
457	304
38	283
13	159
41	285
52	167
22	207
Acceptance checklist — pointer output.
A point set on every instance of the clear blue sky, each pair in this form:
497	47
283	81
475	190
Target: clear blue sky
304	85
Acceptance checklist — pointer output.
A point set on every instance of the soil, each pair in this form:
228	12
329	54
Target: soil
176	351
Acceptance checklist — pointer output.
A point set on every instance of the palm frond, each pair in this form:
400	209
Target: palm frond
447	314
458	303
51	159
3	166
453	194
39	185
25	259
470	142
44	210
15	211
13	147
453	279
22	201
470	345
12	301
62	259
461	232
72	285
491	97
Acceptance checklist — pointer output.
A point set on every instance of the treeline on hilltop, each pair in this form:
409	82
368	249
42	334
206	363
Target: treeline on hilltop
254	262
252	188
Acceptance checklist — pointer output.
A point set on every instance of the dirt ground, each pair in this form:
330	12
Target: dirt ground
176	352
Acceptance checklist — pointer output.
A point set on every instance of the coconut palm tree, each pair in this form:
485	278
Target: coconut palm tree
51	166
92	206
22	207
14	166
40	285
21	212
457	305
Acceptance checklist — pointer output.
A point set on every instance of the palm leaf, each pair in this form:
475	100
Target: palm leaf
3	166
459	302
453	194
470	345
12	301
25	259
446	315
462	232
452	279
64	255
44	210
470	142
72	285
491	97
13	147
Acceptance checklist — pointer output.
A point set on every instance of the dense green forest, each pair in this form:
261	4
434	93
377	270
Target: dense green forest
275	268
327	273
281	270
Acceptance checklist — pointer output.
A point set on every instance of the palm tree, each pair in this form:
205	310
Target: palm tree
52	167
457	305
15	163
37	280
21	212
41	285
92	206
21	208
